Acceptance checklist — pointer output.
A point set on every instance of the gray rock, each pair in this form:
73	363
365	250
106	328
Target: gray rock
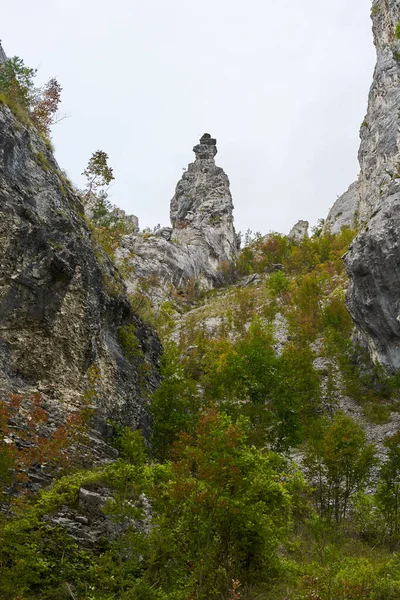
299	231
165	232
379	154
93	503
202	238
345	211
131	222
373	260
62	301
373	265
278	267
3	57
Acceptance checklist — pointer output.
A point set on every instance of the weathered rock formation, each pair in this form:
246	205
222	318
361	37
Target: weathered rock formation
345	211
202	238
299	231
62	301
379	153
3	57
373	261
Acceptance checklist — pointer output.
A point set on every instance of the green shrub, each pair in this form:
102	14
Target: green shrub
278	283
130	343
376	9
42	161
377	413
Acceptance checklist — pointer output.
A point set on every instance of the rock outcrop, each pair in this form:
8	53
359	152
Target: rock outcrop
202	239
3	57
299	231
379	153
373	265
62	301
373	260
344	212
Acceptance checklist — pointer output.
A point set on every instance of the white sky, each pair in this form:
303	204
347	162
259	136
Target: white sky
281	84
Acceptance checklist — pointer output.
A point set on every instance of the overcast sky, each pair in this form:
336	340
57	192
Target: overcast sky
281	84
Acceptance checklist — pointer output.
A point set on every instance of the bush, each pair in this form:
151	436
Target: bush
339	461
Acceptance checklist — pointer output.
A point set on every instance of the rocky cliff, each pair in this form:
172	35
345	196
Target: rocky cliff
379	154
202	239
62	301
373	202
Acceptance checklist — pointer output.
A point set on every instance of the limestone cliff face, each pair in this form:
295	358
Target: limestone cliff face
62	301
373	260
379	154
202	237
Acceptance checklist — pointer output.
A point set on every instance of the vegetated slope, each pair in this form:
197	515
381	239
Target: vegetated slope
211	506
295	293
252	374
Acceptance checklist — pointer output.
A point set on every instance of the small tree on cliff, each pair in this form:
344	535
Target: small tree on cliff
17	82
18	90
45	106
98	174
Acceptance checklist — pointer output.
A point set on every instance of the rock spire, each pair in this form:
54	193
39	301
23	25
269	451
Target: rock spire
202	238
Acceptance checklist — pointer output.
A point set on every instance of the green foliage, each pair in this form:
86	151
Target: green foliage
225	511
376	9
278	283
397	31
98	173
174	405
339	460
29	104
335	315
129	342
42	161
212	508
17	82
388	492
377	412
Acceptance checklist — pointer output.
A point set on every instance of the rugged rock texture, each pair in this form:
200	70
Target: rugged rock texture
373	265
202	238
62	301
299	231
3	56
373	261
344	212
379	154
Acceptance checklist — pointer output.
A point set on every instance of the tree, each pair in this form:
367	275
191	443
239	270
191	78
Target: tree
40	105
338	461
98	174
388	491
45	106
17	82
221	513
174	405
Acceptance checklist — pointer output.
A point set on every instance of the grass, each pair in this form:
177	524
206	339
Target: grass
18	111
379	414
42	161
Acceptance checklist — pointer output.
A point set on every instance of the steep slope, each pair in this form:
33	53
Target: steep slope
62	302
202	238
379	153
373	202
